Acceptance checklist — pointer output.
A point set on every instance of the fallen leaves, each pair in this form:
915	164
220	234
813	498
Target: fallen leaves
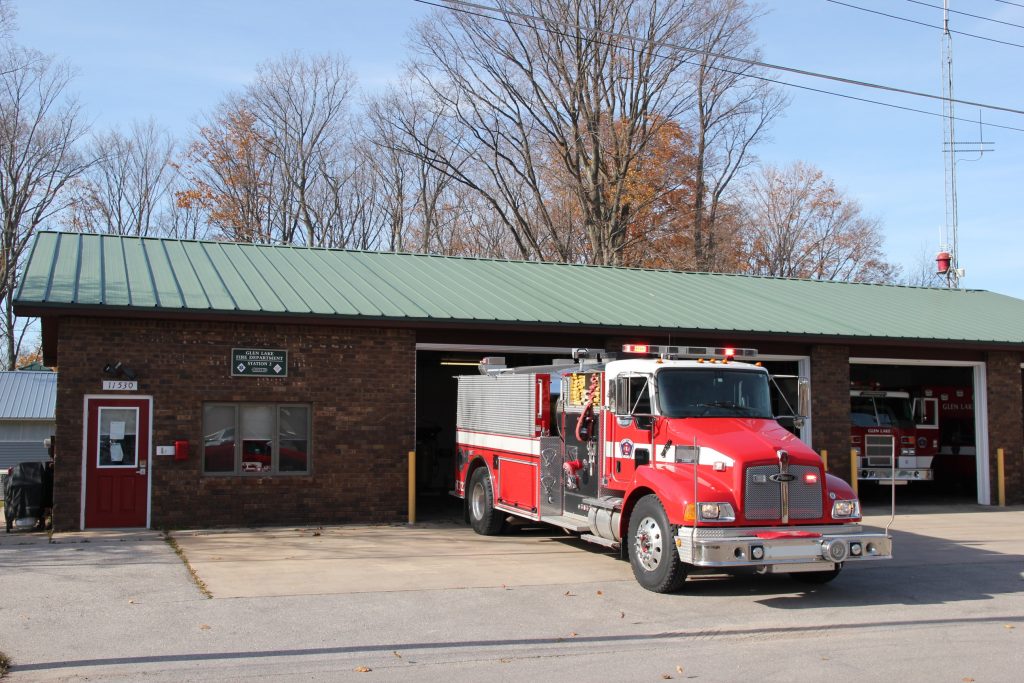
362	669
204	627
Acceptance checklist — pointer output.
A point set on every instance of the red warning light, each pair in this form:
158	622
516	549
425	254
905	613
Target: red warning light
811	478
635	348
730	353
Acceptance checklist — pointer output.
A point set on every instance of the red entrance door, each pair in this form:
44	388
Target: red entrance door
117	457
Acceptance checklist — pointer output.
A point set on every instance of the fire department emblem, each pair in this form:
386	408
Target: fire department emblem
626	448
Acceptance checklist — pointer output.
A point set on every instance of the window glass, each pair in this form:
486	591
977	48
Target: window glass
257	424
255	438
293	439
118	433
713	393
219	439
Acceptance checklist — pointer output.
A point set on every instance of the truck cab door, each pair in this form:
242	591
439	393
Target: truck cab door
629	428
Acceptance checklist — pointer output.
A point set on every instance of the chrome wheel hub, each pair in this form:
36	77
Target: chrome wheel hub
649	544
477	501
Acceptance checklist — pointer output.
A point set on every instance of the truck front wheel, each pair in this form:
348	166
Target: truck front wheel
652	548
483	517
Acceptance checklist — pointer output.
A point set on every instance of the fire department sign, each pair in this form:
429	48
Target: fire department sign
259	363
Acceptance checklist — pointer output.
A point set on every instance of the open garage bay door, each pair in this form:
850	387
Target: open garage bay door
933	416
437	365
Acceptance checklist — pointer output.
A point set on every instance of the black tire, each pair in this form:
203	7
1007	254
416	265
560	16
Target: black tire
652	548
817	578
484	519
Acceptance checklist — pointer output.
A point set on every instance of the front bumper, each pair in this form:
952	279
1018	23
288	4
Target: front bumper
885	474
790	549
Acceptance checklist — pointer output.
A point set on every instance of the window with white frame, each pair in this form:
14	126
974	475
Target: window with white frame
256	438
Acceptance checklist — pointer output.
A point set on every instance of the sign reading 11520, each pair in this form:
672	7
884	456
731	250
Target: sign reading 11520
259	363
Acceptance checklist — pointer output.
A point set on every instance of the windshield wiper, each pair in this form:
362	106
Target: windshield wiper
730	405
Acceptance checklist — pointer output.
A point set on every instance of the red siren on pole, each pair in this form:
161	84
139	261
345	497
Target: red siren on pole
942	262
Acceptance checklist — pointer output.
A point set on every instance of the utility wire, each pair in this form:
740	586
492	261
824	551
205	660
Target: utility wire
967	14
922	23
1007	2
462	5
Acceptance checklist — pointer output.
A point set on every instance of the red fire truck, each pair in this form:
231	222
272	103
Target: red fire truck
674	459
883	427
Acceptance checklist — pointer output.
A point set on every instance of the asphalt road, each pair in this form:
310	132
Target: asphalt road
122	606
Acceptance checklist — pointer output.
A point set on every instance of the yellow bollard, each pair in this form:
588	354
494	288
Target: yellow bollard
824	459
853	471
1001	476
412	487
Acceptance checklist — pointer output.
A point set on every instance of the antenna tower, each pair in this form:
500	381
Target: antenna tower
948	260
949	242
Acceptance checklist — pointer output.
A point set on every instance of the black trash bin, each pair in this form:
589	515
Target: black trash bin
28	493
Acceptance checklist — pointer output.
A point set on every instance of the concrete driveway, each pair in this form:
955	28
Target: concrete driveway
438	602
368	559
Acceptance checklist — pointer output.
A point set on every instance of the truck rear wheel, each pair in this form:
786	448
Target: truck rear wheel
484	519
652	548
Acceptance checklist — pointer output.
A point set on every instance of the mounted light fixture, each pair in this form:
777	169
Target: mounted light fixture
118	369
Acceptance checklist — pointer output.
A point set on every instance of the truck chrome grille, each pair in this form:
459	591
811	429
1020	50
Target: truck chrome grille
879	449
762	497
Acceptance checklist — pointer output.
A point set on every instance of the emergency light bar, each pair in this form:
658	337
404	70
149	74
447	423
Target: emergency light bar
691	351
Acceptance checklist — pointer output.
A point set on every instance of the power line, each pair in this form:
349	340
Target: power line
1007	2
460	5
967	14
922	23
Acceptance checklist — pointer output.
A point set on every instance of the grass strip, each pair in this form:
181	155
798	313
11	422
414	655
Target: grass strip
192	572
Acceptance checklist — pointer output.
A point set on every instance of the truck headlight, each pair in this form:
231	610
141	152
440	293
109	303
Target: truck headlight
907	451
844	509
716	512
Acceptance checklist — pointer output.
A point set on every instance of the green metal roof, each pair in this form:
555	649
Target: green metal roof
130	274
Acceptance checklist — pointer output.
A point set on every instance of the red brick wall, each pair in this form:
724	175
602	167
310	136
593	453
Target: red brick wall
830	396
1003	377
359	382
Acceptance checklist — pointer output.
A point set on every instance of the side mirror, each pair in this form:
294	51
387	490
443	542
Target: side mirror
803	399
620	397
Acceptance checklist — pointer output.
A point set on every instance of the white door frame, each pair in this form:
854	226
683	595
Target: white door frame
85	452
803	369
981	454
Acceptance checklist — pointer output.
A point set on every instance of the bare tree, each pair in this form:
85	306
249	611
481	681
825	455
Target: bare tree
407	133
554	92
922	271
300	105
798	224
125	189
39	128
733	109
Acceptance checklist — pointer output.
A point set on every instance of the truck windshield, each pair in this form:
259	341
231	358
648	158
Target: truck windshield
881	411
713	392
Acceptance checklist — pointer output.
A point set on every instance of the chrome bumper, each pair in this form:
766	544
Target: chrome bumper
884	474
791	549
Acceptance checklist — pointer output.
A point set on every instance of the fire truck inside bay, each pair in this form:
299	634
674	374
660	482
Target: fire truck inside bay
672	456
883	427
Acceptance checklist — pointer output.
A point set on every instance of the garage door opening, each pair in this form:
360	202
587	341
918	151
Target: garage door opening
436	394
926	415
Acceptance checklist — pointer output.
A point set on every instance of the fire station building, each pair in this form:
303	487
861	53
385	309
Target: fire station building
208	384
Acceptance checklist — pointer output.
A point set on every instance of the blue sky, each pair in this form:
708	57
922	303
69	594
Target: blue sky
175	60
